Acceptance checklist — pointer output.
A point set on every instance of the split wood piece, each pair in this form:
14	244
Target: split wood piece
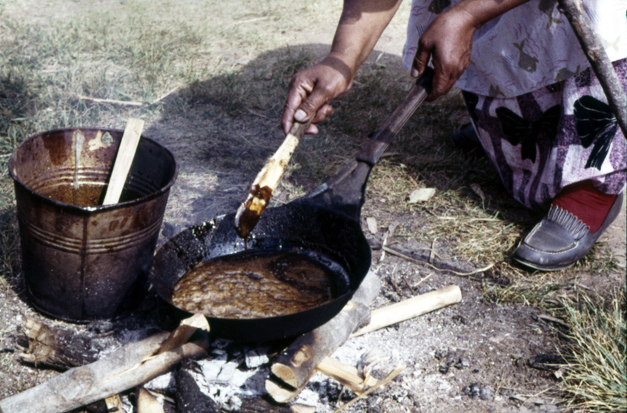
147	403
294	366
346	375
58	348
413	307
598	58
266	182
397	370
121	370
184	331
113	403
123	160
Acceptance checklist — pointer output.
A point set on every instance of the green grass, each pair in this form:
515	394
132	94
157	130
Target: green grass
595	376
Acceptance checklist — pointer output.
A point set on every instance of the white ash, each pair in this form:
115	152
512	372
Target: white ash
257	357
162	384
232	372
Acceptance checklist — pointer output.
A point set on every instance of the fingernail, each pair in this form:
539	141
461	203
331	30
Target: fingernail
300	115
414	72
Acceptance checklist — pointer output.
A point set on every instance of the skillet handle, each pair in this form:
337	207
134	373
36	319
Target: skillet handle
379	143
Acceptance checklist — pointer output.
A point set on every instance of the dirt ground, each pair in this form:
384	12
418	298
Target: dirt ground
474	356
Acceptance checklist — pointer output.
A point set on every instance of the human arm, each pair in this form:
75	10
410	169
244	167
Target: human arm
359	28
448	40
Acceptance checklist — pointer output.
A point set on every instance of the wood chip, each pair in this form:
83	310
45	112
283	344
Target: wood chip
421	195
372	225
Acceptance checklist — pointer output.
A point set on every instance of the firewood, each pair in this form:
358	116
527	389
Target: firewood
297	363
55	347
411	308
147	403
189	397
184	331
113	403
346	375
125	368
397	370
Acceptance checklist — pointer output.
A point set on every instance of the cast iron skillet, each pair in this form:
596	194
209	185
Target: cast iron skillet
324	224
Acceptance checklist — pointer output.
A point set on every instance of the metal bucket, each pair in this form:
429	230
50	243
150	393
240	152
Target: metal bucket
82	260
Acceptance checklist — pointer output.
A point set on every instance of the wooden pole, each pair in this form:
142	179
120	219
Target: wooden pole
128	367
410	308
599	61
298	362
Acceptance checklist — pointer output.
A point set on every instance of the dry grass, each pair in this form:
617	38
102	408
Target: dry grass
595	376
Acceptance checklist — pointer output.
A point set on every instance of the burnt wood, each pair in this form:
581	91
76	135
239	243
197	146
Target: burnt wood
189	397
58	348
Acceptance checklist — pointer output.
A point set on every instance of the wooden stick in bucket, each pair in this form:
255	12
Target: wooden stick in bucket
123	160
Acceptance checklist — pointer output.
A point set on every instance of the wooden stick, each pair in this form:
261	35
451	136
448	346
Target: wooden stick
411	308
347	375
147	403
599	61
397	370
114	101
83	385
78	380
296	364
266	182
121	370
123	160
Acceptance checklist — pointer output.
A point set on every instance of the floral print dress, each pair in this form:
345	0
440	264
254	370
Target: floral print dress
539	110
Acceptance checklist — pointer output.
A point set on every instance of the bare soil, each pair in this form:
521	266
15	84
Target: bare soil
475	356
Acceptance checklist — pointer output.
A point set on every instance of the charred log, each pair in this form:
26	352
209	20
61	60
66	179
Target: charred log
57	348
189	397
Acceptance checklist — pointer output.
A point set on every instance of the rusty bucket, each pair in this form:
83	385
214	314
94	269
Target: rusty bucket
83	260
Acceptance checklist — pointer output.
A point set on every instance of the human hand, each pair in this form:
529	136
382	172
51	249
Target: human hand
448	42
311	90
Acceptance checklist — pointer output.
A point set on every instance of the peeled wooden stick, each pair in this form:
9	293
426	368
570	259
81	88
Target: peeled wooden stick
347	375
123	160
297	363
125	368
411	308
266	182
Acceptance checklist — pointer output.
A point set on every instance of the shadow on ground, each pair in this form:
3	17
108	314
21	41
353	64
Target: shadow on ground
223	129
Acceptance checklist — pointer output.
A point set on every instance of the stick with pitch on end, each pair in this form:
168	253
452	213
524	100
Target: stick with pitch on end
266	182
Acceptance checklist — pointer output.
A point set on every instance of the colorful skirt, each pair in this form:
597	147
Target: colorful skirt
547	139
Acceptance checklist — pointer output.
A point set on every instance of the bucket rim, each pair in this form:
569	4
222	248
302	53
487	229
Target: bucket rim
96	208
